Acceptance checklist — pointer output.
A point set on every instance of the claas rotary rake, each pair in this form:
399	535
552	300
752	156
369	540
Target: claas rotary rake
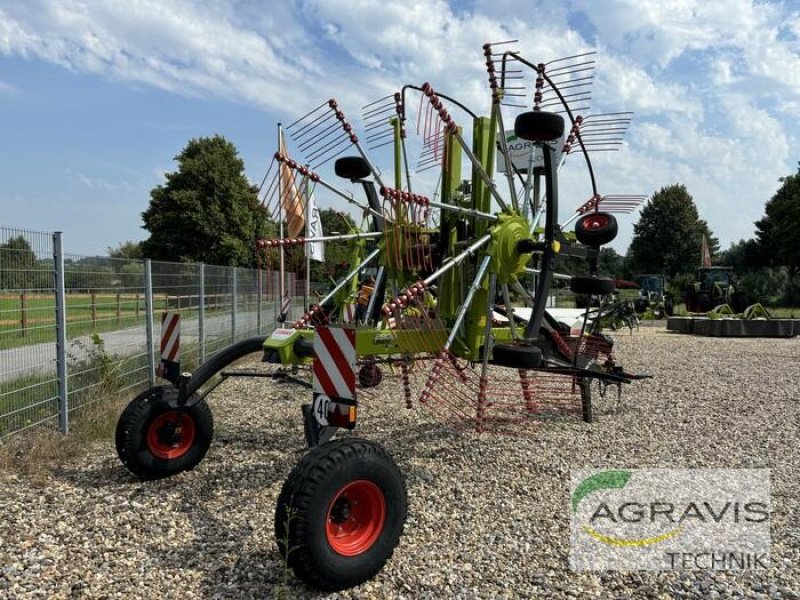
448	267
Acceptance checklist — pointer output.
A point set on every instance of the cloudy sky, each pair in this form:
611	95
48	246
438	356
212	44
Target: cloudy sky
98	96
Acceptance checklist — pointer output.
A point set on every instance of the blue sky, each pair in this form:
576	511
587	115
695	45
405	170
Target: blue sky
98	96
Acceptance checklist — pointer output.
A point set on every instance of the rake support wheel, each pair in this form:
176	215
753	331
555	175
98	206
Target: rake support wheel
596	228
340	514
592	286
539	126
517	356
154	440
351	167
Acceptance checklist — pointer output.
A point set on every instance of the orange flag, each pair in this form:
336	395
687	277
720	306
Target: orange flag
291	200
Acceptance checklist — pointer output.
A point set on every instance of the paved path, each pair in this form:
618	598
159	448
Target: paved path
41	358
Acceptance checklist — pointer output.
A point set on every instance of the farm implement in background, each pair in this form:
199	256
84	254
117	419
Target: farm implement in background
446	264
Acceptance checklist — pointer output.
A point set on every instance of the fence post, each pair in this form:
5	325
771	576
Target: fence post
148	307
23	310
260	291
201	314
61	335
235	301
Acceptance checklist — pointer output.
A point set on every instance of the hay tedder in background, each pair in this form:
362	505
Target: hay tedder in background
462	274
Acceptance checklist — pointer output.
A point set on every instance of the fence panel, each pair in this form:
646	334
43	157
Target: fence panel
106	323
28	383
106	315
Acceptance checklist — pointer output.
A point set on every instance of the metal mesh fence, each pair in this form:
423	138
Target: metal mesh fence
109	349
28	383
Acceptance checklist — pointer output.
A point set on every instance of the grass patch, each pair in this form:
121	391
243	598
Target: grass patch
36	453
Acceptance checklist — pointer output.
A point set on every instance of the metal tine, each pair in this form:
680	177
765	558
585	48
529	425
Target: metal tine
380	134
381	118
269	170
602	141
565	77
503	43
572	68
298	135
580	95
272	189
391	141
563	58
611	114
621	124
513	105
322	155
308	114
328	147
573	83
378	100
588	79
428	159
376	124
319	138
320	143
608	131
331	157
378	111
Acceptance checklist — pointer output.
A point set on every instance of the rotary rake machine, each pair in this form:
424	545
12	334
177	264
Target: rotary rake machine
447	267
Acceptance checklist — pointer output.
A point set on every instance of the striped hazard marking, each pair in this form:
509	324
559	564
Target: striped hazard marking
334	366
170	336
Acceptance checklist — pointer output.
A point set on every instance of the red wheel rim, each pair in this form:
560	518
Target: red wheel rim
596	221
171	435
356	517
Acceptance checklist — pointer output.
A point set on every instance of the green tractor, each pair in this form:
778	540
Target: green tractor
654	297
712	287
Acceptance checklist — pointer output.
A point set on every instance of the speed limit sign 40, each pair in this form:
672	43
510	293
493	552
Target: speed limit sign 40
320	409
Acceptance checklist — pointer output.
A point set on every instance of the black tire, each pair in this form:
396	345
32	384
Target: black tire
539	126
317	496
149	443
517	356
370	376
593	286
586	400
351	167
669	307
704	302
596	228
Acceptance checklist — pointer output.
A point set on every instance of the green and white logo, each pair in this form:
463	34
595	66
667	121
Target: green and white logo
669	519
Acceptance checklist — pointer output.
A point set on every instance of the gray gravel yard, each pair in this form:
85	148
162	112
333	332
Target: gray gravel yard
488	515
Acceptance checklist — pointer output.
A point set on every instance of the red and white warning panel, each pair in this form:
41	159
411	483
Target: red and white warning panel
170	366
334	376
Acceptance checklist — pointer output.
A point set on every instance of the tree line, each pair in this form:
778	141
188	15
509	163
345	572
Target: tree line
208	211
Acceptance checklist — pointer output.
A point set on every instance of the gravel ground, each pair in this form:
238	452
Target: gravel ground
488	515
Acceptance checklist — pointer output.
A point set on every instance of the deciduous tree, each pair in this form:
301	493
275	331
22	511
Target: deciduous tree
207	211
668	236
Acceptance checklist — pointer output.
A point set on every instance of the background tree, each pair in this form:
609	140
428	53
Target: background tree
127	249
18	266
669	234
207	211
776	232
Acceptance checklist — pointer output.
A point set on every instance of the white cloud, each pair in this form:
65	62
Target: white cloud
7	88
713	84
